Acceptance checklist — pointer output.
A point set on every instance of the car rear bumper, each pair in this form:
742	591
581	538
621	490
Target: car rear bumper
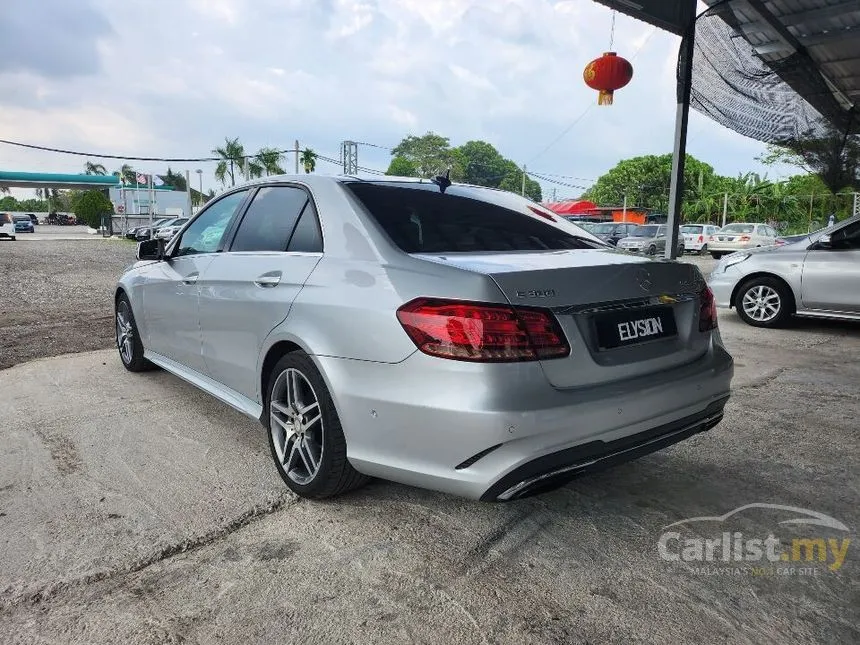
468	430
730	247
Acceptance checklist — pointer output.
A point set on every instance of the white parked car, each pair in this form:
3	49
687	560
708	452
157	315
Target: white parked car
696	236
167	232
741	237
7	226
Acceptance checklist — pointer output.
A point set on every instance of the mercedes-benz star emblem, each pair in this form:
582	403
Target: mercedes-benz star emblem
644	279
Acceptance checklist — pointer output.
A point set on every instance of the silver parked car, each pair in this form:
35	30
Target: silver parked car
650	239
451	337
817	276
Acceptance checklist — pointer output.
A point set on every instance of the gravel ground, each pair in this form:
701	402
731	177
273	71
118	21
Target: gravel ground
57	296
137	509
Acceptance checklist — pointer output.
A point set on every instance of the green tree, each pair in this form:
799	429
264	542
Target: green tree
90	206
402	167
91	168
834	158
482	164
126	173
232	160
308	160
175	180
431	155
269	159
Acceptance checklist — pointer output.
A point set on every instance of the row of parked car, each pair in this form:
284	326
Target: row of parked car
13	223
162	229
693	238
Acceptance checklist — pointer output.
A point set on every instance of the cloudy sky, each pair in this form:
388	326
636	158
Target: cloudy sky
172	78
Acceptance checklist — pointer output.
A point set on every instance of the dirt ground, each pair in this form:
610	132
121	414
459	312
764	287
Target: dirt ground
136	509
57	295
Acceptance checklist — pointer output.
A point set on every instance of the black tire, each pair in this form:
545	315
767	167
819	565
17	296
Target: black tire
716	255
681	250
335	474
768	285
133	361
652	250
703	250
13	238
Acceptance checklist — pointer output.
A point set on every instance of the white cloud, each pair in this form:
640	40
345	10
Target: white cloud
271	71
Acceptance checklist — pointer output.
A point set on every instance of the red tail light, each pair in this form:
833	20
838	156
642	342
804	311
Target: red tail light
473	331
745	238
707	310
701	238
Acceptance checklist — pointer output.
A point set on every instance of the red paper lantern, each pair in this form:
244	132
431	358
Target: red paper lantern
606	74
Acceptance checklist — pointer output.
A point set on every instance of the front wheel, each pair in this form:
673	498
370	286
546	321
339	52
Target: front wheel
764	302
703	250
681	251
652	250
305	435
128	339
716	255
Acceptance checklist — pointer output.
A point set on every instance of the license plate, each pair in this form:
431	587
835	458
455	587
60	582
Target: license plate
634	326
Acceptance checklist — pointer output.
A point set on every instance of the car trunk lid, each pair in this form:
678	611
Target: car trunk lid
624	316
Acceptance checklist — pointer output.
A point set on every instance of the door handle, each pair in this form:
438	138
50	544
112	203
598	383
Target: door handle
191	278
268	280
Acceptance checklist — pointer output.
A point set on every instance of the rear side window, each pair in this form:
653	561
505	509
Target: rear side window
270	220
307	237
421	219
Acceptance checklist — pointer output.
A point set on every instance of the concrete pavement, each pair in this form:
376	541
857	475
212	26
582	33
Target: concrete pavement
134	508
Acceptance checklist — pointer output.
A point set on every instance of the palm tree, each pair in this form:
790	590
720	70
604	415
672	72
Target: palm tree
308	159
232	158
126	173
270	161
94	168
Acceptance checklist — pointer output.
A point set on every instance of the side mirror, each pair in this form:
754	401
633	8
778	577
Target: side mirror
150	250
824	242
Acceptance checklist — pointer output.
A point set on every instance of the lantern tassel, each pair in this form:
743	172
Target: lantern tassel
605	97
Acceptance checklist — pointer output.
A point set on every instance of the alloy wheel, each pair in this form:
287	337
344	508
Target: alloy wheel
296	426
762	303
124	332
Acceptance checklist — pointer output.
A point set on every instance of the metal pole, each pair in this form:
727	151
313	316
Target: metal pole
679	152
200	177
151	206
809	228
725	207
297	156
624	209
856	209
188	192
523	193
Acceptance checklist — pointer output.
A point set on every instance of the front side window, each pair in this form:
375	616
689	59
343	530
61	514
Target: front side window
419	218
269	222
205	233
847	237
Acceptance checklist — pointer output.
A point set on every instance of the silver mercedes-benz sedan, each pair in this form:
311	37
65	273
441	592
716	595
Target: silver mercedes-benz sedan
817	276
452	337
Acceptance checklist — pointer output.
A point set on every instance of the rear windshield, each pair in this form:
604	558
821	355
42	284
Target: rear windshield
22	218
420	219
5	218
645	231
691	229
738	228
603	229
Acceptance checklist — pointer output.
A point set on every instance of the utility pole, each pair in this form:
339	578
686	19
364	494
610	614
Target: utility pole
624	209
297	156
725	207
188	203
553	195
523	193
